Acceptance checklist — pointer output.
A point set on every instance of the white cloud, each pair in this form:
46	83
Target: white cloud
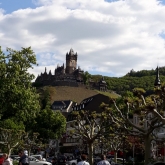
111	38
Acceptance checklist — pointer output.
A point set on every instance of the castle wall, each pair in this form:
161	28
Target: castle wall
65	83
69	76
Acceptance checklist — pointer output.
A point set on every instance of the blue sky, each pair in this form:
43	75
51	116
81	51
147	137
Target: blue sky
10	5
110	38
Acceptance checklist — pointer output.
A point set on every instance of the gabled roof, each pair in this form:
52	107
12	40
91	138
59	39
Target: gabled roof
93	103
62	104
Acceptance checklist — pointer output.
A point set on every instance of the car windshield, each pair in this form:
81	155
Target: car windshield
32	158
70	158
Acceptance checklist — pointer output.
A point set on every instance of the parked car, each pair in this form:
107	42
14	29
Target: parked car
62	160
96	160
49	159
158	163
39	157
71	160
34	161
109	156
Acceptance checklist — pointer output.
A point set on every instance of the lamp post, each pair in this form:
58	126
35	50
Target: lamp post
101	147
133	153
133	146
164	152
123	148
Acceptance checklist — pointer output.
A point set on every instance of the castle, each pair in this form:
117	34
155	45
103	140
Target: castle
63	76
68	76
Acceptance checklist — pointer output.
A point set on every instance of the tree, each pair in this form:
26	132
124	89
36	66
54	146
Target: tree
146	121
86	77
50	124
30	140
113	142
18	98
46	96
158	105
11	134
89	127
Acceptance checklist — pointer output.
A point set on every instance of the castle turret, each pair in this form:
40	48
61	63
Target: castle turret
157	80
71	61
45	70
50	73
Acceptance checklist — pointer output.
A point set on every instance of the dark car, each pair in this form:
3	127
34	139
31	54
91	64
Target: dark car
159	163
62	160
49	159
96	160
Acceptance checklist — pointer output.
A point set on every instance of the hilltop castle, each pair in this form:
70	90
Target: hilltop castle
63	76
68	76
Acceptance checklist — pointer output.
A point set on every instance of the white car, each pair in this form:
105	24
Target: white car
34	161
72	162
39	157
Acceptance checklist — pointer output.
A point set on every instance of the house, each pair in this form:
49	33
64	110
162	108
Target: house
63	105
70	143
92	103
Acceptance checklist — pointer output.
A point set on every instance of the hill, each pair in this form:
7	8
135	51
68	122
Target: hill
141	79
76	94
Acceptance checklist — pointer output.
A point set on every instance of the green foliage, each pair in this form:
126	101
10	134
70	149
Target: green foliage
12	124
127	83
86	77
138	92
50	124
147	111
10	138
109	94
15	162
18	98
90	126
47	94
143	73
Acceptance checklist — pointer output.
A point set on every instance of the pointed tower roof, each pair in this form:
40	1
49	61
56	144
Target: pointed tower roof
45	69
50	73
157	80
71	52
102	80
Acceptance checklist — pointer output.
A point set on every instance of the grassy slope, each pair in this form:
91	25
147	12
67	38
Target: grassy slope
76	93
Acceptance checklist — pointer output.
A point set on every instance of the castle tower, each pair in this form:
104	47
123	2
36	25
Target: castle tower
71	62
157	80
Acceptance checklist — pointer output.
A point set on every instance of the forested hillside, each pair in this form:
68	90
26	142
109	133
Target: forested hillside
143	73
142	79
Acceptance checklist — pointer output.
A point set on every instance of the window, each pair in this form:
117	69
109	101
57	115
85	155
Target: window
135	120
